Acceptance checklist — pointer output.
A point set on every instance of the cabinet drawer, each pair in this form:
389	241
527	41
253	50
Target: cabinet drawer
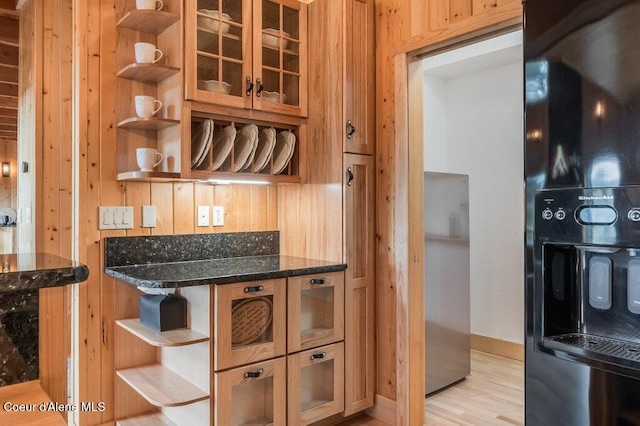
248	322
315	310
316	384
252	395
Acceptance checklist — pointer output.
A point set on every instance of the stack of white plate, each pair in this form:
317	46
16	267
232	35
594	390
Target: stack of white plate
245	147
222	145
283	151
264	149
201	143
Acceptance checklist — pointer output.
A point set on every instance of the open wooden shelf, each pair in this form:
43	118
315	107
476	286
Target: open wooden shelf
147	73
138	176
152	123
153	419
161	386
170	338
148	21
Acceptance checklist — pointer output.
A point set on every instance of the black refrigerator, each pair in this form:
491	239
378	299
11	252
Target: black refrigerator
582	178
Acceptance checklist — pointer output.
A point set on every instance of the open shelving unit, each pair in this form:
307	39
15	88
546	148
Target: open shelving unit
162	377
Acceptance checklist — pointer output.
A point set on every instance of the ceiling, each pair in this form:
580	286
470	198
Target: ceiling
492	53
8	70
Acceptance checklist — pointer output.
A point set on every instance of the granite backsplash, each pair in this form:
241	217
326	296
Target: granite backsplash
140	250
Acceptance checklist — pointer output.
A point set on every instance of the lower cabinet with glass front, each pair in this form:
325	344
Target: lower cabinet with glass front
263	377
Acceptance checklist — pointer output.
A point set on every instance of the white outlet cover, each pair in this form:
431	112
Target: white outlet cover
203	215
218	216
148	216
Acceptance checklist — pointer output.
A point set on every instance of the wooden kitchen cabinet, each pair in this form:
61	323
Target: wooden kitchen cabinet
249	54
315	380
359	210
315	310
252	395
360	75
249	322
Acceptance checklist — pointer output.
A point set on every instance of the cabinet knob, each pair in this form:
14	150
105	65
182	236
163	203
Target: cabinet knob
253	374
318	281
254	289
321	355
352	129
249	86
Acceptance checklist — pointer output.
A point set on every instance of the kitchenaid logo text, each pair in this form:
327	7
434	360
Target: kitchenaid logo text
595	197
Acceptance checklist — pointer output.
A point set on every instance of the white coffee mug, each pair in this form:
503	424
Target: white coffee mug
149	4
146	106
146	53
148	158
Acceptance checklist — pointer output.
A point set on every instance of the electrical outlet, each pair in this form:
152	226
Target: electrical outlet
218	216
203	215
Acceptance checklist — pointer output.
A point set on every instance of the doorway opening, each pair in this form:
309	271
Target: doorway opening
473	125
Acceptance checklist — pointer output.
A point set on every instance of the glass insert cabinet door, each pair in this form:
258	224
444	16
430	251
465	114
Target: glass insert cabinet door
218	51
252	395
280	61
249	322
247	54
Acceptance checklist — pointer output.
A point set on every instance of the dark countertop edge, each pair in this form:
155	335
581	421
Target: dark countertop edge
229	279
54	277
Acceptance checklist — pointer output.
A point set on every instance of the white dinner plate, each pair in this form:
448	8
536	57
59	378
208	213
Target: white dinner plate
244	145
222	144
199	142
266	143
283	151
207	146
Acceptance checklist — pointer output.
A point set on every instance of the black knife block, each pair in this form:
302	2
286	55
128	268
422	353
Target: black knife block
162	313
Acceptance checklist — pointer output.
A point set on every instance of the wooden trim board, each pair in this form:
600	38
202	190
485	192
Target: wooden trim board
504	348
385	409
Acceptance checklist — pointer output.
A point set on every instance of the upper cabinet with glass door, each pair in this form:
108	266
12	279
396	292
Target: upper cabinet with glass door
247	54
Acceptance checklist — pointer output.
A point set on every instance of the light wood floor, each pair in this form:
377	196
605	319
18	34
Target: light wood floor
492	395
27	393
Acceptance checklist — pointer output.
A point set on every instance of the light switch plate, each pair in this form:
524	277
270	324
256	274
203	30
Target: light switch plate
115	217
203	216
148	216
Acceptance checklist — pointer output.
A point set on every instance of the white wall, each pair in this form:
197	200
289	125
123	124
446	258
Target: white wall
474	126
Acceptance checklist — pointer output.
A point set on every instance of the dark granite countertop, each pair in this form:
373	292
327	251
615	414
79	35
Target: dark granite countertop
220	271
25	271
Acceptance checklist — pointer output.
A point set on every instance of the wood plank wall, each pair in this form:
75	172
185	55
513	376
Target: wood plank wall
406	27
247	208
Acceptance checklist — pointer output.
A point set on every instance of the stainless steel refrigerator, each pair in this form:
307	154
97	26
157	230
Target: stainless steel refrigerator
582	174
446	279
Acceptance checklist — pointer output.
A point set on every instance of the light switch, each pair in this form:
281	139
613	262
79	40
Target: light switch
148	216
115	217
203	215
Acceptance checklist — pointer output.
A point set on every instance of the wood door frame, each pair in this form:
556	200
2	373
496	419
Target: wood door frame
408	232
